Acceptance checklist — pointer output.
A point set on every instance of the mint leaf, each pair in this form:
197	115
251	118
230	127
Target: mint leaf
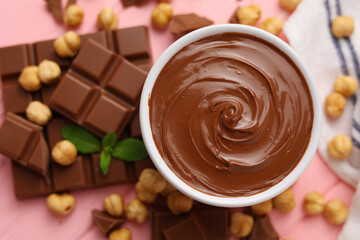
84	141
130	150
109	140
105	159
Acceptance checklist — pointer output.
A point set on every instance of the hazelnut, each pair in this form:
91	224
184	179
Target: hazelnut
248	15
136	210
162	15
29	79
272	25
73	15
120	234
285	201
335	104
67	45
64	153
340	147
346	85
336	211
241	224
152	181
107	19
114	204
289	5
38	112
314	203
61	204
49	72
179	203
262	208
342	26
168	189
144	195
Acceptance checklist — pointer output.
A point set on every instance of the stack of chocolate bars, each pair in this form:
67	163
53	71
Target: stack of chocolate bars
99	90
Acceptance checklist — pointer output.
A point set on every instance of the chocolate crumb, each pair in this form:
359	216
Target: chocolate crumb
128	3
54	7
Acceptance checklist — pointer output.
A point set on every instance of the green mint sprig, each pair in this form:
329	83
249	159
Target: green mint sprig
129	150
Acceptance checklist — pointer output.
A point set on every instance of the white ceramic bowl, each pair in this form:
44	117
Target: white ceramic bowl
169	174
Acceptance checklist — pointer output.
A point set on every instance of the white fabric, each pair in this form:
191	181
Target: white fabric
309	35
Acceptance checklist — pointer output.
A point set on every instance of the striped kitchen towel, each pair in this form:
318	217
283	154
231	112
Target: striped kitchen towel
327	57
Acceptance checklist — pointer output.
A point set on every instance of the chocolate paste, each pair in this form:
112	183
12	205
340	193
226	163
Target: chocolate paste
231	115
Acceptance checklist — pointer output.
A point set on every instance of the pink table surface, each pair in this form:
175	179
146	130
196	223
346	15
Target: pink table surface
24	21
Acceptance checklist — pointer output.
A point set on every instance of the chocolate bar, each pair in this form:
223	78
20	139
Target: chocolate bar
213	221
263	229
105	222
132	42
23	141
186	228
100	91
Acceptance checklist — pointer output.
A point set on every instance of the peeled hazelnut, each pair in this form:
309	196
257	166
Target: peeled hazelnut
61	204
168	189
29	79
114	204
285	201
136	210
289	5
272	25
314	203
38	112
342	26
336	211
262	208
241	224
162	15
107	19
340	147
64	153
152	181
335	104
49	72
73	15
248	15
120	234
144	195
179	203
346	85
67	45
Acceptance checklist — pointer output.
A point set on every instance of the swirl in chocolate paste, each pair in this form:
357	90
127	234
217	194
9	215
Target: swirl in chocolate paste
231	115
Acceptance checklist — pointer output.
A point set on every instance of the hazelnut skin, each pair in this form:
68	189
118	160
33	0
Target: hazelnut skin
29	79
38	113
241	224
49	72
67	45
61	204
64	153
248	15
107	19
342	26
73	15
114	204
340	147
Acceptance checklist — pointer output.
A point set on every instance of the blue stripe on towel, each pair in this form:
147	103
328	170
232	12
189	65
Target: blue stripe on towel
356	125
356	143
344	67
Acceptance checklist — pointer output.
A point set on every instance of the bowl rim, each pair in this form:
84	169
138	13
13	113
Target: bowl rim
170	176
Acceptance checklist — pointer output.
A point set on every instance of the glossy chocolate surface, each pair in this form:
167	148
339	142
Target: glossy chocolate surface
231	115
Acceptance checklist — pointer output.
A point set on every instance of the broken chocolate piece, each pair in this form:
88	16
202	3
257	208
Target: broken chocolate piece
263	229
55	8
185	23
100	91
187	228
105	222
23	141
127	3
141	165
234	18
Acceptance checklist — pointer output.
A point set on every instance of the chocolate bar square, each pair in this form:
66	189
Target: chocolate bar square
12	90
82	96
16	54
45	50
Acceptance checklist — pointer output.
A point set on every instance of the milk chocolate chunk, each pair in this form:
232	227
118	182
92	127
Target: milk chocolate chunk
185	23
100	91
143	164
55	8
215	221
234	18
127	3
23	141
28	183
187	228
263	229
105	222
161	217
